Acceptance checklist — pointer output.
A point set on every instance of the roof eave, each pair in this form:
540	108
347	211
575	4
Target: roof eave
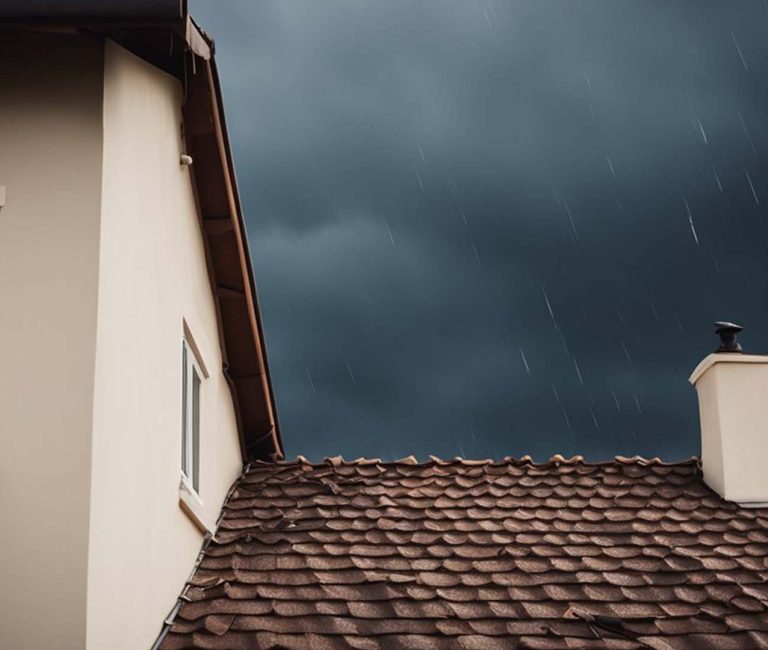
234	288
248	270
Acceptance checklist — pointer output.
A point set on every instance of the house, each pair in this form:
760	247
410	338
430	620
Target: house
133	380
136	400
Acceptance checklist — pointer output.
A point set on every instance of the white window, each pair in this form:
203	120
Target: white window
190	418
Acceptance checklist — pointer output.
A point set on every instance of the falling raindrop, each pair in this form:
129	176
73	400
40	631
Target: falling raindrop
554	321
578	372
562	408
594	417
389	232
653	309
690	221
746	132
474	250
616	400
752	187
311	382
421	152
626	352
549	307
351	375
487	18
738	49
570	218
591	109
679	323
525	361
557	196
701	130
610	165
717	180
684	419
418	178
452	188
461	449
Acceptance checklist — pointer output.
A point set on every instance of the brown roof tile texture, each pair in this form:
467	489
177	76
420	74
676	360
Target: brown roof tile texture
626	554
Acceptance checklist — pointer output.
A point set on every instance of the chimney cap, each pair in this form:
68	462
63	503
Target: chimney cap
728	332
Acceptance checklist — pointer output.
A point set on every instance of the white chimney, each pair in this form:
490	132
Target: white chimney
733	407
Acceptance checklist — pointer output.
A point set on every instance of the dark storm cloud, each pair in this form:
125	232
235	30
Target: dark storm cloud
490	228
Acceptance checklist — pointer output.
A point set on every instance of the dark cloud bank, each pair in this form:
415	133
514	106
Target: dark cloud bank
492	228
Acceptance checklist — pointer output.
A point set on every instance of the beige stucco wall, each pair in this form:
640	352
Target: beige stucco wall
50	162
152	279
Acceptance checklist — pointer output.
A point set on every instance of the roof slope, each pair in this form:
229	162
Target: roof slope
631	553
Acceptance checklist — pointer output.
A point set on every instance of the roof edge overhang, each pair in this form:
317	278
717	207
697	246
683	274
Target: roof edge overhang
162	33
241	328
148	11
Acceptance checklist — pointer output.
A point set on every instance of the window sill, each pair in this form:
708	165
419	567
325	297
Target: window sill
192	505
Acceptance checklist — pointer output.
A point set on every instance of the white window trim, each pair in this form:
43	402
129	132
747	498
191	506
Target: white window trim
192	343
192	505
189	498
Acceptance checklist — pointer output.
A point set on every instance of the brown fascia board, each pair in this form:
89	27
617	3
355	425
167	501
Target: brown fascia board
254	307
224	234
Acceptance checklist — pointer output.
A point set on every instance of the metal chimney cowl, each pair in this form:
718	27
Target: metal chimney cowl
733	408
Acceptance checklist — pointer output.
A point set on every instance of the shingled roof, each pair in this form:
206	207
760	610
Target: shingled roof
631	553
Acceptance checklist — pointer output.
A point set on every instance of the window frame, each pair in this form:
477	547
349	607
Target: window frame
191	393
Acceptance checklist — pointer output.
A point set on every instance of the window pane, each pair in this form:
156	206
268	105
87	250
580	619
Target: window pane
184	401
195	430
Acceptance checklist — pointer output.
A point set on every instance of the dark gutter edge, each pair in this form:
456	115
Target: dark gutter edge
108	11
209	537
279	448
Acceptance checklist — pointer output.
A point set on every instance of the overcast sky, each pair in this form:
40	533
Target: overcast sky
488	228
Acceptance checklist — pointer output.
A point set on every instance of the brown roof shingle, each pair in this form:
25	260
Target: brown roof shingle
631	553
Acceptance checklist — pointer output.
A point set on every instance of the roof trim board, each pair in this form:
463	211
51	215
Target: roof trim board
246	365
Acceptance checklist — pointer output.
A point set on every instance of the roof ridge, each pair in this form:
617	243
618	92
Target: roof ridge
526	460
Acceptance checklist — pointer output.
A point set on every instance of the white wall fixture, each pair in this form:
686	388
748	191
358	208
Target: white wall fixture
185	159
